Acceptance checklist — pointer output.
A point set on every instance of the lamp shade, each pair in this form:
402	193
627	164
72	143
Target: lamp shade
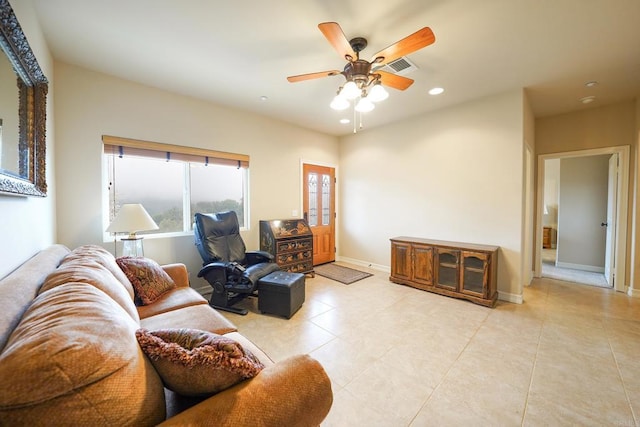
130	219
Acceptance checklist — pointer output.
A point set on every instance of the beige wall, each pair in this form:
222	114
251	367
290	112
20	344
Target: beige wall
456	174
91	104
27	224
607	126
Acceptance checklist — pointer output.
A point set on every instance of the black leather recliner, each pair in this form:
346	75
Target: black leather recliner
232	272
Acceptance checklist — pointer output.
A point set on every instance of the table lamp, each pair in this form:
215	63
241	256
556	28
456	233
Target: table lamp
132	218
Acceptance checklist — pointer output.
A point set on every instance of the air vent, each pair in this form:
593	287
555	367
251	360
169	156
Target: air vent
400	66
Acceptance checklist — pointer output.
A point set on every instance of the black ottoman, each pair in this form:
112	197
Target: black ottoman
281	293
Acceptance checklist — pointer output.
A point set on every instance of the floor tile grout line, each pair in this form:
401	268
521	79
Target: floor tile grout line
615	360
535	359
444	377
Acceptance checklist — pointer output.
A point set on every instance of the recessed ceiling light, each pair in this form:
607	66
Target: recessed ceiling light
592	83
436	91
345	121
263	98
587	99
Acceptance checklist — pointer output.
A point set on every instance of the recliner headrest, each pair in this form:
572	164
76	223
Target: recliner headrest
218	237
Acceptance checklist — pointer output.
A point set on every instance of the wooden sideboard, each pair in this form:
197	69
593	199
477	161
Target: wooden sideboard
460	270
290	241
546	237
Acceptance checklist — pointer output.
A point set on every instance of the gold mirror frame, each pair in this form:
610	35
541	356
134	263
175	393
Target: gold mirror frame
32	110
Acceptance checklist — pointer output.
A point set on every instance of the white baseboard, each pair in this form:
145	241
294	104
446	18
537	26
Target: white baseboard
379	267
509	297
591	268
632	292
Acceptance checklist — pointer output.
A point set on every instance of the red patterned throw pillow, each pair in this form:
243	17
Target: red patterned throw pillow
149	280
192	362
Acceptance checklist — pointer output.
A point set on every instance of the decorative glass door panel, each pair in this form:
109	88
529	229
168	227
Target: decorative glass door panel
326	198
319	210
447	269
312	190
474	270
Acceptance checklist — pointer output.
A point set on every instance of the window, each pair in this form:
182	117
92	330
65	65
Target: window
173	182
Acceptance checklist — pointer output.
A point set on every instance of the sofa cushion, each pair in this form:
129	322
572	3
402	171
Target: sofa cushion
90	272
172	300
74	355
193	362
149	280
200	316
103	257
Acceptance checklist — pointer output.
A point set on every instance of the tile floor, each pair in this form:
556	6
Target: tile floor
398	356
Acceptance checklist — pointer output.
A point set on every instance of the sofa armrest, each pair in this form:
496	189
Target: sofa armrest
178	272
293	392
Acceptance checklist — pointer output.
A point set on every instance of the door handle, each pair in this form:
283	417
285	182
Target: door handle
604	224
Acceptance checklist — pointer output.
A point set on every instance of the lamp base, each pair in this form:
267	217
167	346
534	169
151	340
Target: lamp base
132	246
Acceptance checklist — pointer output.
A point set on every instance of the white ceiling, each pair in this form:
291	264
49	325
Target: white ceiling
234	52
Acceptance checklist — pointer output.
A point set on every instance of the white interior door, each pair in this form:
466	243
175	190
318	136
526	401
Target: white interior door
609	258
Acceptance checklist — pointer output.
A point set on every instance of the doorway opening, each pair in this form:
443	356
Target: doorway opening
578	244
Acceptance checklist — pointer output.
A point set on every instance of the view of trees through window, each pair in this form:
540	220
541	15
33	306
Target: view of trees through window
173	191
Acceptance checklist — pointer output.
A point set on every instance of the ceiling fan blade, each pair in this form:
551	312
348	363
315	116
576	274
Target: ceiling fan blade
336	37
393	80
309	76
407	45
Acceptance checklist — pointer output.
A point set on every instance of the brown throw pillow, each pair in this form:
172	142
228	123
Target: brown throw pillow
149	280
192	362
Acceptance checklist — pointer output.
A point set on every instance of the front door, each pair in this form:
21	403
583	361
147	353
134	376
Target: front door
319	210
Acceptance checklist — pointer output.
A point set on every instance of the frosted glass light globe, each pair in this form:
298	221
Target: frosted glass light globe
339	103
377	93
364	106
350	91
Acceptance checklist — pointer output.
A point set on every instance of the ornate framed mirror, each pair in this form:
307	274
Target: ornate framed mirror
23	108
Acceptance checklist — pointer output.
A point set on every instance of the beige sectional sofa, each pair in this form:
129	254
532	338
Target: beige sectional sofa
69	353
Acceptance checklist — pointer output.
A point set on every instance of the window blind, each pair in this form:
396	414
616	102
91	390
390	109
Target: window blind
134	147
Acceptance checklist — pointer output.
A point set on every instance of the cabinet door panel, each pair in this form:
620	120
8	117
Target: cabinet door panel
475	273
401	260
423	265
447	263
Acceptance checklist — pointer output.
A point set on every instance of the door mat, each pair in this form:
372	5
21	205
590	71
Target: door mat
340	274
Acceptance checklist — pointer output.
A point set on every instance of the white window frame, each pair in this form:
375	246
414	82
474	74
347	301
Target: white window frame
114	145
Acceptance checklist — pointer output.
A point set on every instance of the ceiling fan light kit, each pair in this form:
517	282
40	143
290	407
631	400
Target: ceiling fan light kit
364	106
339	103
350	91
363	85
378	93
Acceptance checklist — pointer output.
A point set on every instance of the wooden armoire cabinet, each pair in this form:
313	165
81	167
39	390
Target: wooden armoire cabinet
290	241
460	270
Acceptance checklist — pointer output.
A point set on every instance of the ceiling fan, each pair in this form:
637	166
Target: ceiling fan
364	78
